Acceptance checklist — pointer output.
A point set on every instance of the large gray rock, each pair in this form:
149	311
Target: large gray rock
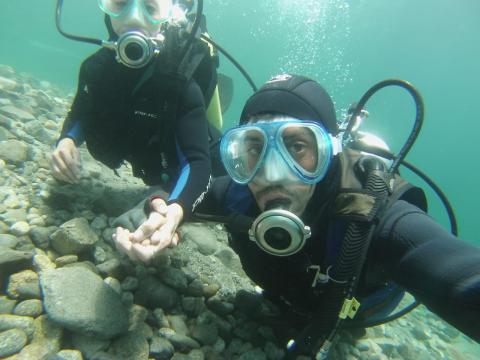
79	300
13	151
73	237
204	238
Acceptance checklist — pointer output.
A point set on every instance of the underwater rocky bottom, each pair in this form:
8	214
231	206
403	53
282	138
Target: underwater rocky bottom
67	294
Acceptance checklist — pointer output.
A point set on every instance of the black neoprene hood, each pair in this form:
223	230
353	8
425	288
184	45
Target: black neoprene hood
295	96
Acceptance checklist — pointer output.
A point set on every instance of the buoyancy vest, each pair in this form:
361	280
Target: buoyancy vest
360	202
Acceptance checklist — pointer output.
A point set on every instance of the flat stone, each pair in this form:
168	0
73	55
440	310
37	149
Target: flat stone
65	260
13	151
80	301
13	260
17	113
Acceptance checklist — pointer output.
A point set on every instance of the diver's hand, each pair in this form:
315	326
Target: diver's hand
144	251
154	235
161	224
66	162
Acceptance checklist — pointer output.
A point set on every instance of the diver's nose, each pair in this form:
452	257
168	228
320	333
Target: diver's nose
273	169
135	17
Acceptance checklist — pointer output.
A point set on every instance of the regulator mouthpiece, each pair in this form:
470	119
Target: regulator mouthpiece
135	50
279	232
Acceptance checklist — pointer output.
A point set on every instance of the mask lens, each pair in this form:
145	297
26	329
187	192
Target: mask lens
114	8
307	148
155	11
301	145
242	152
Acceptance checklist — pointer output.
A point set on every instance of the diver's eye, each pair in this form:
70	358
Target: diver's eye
120	3
152	9
254	150
297	148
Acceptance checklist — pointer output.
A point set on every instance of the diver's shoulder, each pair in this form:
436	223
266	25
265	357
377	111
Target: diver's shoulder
98	60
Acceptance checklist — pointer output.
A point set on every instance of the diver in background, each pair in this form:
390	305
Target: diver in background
148	112
326	245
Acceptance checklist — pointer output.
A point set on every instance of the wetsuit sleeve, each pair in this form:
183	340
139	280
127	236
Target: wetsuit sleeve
214	201
72	127
191	137
440	270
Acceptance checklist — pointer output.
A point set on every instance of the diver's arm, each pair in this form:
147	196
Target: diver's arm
191	135
213	203
72	127
440	270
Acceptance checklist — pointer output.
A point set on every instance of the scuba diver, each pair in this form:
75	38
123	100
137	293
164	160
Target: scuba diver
144	98
333	235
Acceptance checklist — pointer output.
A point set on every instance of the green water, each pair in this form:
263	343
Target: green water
346	45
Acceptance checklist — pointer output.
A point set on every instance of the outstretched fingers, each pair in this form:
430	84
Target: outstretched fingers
153	223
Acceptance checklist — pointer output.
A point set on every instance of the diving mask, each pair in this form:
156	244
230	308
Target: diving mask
304	147
154	11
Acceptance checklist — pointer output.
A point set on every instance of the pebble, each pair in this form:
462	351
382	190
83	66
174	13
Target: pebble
20	228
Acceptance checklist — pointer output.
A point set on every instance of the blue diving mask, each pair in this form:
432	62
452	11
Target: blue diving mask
286	148
154	11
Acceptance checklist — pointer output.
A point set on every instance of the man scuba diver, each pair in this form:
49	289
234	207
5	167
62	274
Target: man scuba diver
335	236
142	98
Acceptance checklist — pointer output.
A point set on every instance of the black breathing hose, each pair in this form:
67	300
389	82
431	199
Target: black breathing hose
326	323
234	62
58	22
418	118
193	32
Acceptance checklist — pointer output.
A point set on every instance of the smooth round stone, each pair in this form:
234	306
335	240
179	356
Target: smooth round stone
20	228
12	203
33	308
65	260
2	164
11	342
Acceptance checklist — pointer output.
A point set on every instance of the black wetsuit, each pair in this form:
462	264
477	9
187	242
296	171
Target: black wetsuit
409	248
157	123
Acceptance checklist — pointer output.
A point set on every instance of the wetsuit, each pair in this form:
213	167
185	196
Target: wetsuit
408	248
156	122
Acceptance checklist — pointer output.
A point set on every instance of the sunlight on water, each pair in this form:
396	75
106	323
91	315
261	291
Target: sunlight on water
315	35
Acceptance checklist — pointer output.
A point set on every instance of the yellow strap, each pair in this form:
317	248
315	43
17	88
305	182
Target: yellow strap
349	308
